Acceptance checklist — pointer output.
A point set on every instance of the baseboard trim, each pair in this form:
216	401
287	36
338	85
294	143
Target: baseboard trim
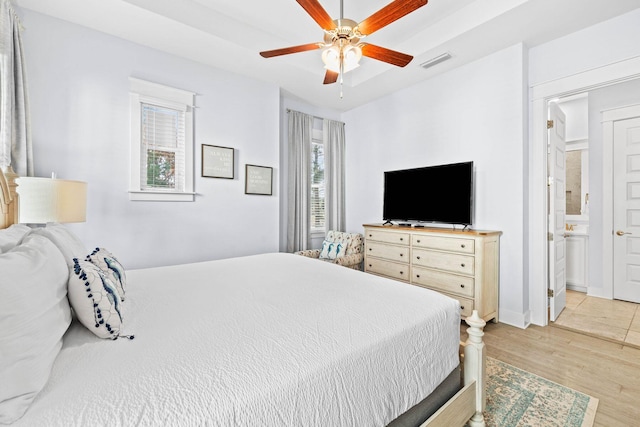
512	318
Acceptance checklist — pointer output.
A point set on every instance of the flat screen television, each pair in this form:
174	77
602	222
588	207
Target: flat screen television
437	194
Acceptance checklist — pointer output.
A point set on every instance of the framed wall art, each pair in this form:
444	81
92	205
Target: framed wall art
217	162
258	180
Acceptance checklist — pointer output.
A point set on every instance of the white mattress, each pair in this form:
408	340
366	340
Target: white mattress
272	340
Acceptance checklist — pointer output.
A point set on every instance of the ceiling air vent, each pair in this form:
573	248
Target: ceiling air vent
436	60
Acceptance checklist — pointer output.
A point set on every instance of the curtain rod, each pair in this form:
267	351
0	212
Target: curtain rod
315	117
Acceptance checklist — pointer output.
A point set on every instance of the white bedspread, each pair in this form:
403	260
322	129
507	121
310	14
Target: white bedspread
266	340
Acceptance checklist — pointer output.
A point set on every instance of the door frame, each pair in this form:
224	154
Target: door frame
609	117
539	96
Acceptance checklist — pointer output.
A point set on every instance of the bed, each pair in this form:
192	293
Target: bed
272	339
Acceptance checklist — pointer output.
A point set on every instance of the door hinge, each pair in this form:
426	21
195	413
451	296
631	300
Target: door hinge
550	293
549	124
550	236
549	181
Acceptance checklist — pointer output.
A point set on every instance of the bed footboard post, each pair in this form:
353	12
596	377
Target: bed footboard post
475	365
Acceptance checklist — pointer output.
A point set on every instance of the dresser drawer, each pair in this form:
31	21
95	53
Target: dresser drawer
466	305
391	252
388	237
440	281
387	268
452	244
463	264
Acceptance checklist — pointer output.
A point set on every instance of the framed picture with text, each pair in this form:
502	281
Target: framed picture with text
258	180
217	162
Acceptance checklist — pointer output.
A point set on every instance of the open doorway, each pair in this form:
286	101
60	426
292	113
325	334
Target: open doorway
568	188
598	306
599	264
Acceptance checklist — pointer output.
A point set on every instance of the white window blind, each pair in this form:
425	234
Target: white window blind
162	148
317	186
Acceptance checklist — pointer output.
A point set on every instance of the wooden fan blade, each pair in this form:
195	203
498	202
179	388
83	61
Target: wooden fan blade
391	12
386	55
317	12
288	50
330	77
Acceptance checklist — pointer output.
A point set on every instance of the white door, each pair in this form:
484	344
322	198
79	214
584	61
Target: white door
626	212
557	210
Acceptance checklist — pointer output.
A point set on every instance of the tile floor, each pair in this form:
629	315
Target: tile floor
614	320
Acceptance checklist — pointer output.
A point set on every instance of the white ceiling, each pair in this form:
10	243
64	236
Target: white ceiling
228	34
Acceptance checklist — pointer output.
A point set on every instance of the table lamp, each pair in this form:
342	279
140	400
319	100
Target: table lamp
43	200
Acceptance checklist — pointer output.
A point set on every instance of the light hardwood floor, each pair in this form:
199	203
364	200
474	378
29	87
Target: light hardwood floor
614	320
603	369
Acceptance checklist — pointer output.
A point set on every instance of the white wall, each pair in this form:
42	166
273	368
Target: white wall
79	93
605	43
476	112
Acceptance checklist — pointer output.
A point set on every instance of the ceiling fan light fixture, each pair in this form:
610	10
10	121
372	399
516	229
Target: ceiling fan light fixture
351	57
331	59
342	60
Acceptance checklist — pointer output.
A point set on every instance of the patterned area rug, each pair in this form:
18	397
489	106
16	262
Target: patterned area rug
519	398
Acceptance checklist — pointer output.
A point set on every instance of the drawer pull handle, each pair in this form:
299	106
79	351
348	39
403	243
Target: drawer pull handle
462	246
401	239
369	265
462	286
418	257
370	249
418	276
370	235
462	307
462	265
418	240
401	254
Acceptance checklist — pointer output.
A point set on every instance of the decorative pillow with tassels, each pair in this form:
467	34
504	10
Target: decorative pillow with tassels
95	299
111	267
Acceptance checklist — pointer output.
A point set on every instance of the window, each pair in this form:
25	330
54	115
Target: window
317	222
161	142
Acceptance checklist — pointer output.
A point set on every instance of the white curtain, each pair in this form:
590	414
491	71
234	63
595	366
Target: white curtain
333	135
15	133
299	180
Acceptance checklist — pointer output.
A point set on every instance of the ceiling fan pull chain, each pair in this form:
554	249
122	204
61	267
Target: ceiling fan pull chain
341	74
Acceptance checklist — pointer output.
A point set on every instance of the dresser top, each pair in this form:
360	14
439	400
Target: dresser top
467	232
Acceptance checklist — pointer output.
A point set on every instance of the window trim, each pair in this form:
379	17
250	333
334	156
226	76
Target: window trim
142	91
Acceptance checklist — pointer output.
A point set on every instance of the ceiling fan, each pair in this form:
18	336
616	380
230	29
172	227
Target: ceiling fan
342	39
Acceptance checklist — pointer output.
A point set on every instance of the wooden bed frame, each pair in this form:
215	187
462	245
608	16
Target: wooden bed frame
466	406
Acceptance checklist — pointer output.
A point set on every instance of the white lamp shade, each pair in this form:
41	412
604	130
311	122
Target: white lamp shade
43	200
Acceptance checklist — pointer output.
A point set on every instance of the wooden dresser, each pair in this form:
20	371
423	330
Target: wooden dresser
461	264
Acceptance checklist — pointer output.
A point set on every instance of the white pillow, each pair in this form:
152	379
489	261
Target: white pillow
11	237
68	243
111	267
34	315
332	250
95	299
